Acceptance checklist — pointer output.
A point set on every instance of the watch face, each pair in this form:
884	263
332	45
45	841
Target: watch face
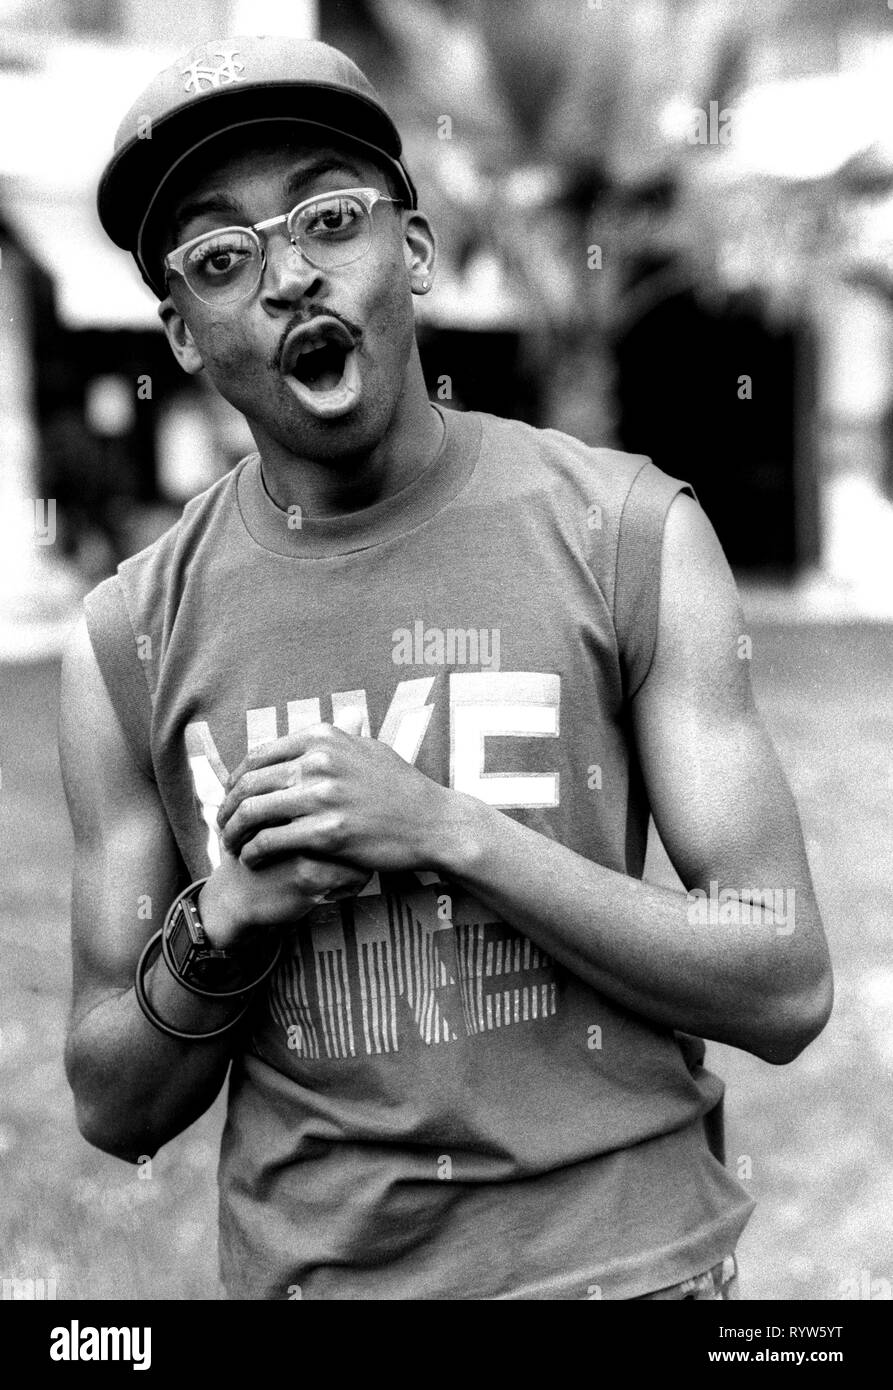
179	940
193	923
200	963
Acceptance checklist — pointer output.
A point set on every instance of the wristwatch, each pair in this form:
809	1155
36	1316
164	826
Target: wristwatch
200	967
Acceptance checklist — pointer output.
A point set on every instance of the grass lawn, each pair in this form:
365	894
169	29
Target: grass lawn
812	1140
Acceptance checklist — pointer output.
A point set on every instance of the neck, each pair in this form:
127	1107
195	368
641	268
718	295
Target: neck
351	481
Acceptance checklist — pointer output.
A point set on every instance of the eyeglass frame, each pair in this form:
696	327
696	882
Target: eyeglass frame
173	261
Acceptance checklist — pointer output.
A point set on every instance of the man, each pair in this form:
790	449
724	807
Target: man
376	730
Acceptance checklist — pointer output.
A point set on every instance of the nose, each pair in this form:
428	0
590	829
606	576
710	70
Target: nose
287	275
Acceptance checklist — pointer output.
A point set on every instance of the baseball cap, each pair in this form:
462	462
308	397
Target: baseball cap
228	84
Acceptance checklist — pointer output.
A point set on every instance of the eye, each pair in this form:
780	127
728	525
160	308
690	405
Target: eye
332	217
221	255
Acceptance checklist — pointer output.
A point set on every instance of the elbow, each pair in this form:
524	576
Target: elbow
102	1124
101	1132
797	1021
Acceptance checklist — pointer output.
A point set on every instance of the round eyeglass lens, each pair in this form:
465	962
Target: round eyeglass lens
333	231
225	265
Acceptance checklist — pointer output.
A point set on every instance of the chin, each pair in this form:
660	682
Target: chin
359	432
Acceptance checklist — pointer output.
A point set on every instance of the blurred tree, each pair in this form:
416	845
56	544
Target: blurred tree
549	143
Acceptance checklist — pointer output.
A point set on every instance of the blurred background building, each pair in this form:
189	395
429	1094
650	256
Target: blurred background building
665	225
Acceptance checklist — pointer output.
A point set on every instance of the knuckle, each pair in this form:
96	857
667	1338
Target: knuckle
320	760
305	878
261	843
318	876
334	825
324	791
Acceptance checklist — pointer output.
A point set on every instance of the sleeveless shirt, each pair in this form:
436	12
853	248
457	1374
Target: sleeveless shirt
425	1104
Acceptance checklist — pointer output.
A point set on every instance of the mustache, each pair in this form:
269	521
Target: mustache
307	315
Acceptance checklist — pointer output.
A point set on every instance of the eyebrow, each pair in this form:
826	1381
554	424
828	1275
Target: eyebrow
316	169
221	203
205	207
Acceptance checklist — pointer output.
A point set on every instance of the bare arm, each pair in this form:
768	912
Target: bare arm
134	1087
726	815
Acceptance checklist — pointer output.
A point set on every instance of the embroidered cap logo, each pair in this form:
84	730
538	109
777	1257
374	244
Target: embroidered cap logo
202	77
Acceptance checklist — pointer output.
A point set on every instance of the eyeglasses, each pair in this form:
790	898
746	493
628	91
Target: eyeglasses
330	231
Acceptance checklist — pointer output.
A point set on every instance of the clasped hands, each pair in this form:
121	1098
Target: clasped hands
330	794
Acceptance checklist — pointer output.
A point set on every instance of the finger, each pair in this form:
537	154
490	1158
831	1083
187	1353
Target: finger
280	750
262	782
311	835
348	890
345	878
317	763
257	812
332	879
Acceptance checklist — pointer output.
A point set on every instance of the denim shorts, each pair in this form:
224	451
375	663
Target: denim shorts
714	1284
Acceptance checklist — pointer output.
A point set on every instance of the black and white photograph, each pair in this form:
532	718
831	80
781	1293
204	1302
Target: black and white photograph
446	659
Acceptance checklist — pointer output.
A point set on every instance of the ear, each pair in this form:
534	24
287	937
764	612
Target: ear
419	251
179	336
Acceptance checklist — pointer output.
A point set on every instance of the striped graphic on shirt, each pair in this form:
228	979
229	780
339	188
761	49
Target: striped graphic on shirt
481	960
368	973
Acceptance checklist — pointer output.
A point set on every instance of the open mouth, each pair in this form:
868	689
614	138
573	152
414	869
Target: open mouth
320	365
320	368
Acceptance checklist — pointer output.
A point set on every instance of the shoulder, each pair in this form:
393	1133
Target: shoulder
702	649
609	504
150	571
700	609
604	485
535	454
134	608
193	530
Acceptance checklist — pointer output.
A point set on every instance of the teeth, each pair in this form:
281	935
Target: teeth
322	396
321	339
